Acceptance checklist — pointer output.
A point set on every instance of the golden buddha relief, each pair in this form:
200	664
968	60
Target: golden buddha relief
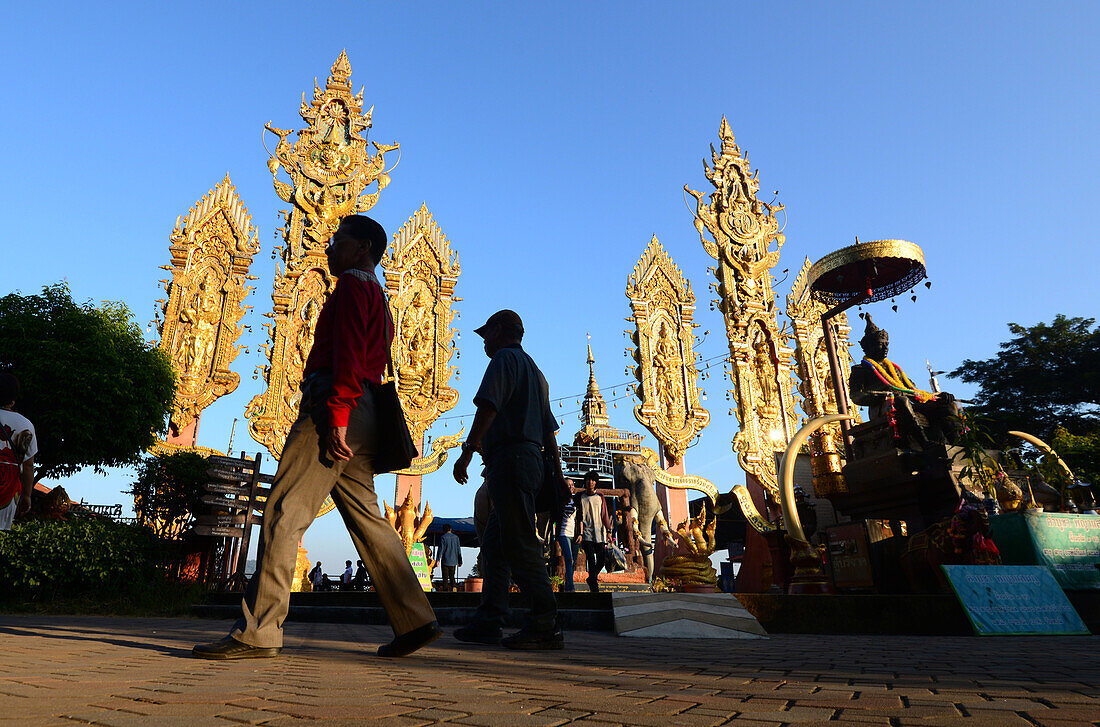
420	272
663	307
332	173
738	230
211	249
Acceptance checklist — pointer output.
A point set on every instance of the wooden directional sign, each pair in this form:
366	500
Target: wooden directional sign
225	502
219	460
219	519
223	473
238	478
227	489
219	532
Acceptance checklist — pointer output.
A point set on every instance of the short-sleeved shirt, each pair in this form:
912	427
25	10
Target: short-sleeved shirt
514	387
450	549
15	430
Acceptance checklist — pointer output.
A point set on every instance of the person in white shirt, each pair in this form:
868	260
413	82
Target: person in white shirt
18	446
346	578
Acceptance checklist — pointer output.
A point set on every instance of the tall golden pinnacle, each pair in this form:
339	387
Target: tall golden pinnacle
211	248
663	307
421	271
738	230
331	168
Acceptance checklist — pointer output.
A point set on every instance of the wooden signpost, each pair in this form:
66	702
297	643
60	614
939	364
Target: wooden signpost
235	496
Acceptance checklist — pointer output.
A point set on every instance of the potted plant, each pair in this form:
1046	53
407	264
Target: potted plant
474	582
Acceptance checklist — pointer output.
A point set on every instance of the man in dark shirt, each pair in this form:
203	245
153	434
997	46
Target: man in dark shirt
512	426
329	451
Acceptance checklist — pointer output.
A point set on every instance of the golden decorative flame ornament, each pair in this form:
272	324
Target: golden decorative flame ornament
421	271
663	306
815	381
331	168
737	230
211	249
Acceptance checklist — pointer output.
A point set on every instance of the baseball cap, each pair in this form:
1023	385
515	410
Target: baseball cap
507	318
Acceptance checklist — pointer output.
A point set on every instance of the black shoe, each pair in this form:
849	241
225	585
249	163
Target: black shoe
478	634
230	648
410	641
534	640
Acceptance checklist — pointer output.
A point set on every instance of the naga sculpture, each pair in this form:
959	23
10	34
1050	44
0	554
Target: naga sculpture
410	525
692	565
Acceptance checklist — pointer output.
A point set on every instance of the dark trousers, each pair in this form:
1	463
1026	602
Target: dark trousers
510	550
566	544
594	557
449	577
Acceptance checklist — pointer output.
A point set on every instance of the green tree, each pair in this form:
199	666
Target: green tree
1044	381
168	491
1045	377
97	393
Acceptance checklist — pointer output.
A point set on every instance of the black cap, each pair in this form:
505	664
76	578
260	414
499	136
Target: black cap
507	318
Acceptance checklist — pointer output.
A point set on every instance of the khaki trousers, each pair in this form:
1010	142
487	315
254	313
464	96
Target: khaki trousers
306	476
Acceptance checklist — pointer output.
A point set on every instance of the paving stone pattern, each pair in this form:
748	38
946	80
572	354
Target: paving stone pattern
119	672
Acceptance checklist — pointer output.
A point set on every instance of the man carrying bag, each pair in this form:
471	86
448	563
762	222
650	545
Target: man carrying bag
514	429
334	449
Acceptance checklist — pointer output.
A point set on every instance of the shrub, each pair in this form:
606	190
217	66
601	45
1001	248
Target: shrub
43	560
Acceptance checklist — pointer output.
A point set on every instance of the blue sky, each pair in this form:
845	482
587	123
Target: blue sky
550	141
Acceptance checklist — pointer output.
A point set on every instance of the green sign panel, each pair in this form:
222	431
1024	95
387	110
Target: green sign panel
1013	599
420	566
1067	543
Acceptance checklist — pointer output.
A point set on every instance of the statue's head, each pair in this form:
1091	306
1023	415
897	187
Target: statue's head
875	341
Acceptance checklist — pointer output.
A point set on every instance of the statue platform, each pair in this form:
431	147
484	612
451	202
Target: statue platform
777	613
888	483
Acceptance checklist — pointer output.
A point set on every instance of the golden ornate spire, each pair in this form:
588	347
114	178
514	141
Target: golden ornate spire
737	230
420	274
211	248
594	409
663	307
330	167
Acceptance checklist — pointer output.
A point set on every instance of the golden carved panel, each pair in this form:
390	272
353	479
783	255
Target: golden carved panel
211	249
421	271
738	230
663	307
812	360
332	173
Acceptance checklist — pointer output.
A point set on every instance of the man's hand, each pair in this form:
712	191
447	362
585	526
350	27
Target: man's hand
461	465
338	444
24	505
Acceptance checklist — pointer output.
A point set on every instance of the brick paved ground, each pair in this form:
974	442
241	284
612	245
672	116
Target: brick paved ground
120	672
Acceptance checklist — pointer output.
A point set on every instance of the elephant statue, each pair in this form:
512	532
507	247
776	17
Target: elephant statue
639	479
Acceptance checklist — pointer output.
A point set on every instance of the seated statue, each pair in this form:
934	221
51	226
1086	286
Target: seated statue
921	417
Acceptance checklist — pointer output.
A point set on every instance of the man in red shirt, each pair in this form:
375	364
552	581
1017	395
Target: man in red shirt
329	451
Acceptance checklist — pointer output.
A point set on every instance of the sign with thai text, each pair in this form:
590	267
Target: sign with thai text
1013	599
1067	543
420	566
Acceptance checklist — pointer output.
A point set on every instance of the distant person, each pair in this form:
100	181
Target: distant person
329	451
18	446
595	528
345	579
449	556
566	532
317	577
359	581
513	425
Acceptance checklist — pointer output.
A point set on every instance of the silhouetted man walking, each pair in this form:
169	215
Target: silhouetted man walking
512	426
